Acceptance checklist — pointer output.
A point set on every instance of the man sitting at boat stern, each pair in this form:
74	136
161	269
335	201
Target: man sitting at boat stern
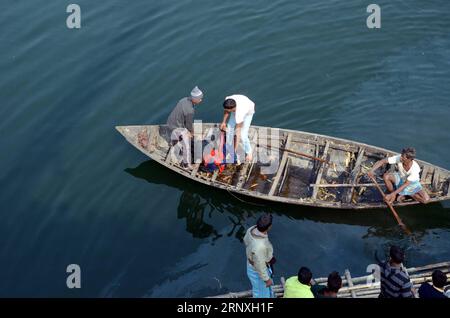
259	253
238	115
180	123
406	181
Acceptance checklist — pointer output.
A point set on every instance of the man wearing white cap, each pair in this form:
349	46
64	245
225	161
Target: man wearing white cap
238	114
181	121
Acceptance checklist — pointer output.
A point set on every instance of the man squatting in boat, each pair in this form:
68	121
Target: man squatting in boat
238	114
180	123
406	181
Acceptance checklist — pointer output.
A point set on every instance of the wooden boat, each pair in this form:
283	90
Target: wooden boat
361	287
296	179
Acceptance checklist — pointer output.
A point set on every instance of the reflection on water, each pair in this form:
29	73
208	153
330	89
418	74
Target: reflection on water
198	202
193	209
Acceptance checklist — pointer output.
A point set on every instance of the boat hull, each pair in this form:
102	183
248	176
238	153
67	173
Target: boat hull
298	179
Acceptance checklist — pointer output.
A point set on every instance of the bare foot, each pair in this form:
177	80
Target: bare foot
187	166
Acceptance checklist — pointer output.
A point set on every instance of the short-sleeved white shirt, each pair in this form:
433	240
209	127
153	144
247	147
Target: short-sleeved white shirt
244	107
413	174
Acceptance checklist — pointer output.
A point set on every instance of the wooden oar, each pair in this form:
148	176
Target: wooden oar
399	221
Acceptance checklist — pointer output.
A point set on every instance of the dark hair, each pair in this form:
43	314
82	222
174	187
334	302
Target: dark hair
439	279
229	103
409	152
334	282
397	254
264	222
304	275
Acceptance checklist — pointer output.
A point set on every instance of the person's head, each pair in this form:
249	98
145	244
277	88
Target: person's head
439	279
397	255
229	105
196	95
264	222
408	154
334	284
304	276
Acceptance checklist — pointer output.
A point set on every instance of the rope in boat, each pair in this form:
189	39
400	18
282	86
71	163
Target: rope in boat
244	201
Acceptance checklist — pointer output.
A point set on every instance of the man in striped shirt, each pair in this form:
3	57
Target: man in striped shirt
395	282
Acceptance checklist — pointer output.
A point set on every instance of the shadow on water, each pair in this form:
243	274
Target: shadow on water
198	200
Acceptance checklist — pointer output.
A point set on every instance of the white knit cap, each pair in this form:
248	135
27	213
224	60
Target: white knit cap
196	93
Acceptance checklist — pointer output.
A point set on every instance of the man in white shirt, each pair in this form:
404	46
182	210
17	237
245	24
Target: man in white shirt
238	111
406	180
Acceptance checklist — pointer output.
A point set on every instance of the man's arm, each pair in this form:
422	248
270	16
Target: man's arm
223	125
391	196
261	268
189	122
376	166
406	290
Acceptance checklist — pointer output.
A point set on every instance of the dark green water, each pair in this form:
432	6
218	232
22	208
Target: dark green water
74	191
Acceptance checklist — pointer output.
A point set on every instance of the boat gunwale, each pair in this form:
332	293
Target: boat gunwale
317	203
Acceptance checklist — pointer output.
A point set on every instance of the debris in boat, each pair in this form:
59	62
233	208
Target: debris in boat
366	168
226	179
265	178
253	185
324	195
330	195
250	171
205	175
347	159
143	138
361	191
231	168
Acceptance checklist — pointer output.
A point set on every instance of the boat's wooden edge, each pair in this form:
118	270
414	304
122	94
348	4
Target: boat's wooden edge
313	135
278	199
321	204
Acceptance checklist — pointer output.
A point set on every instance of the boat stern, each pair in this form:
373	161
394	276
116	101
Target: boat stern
143	137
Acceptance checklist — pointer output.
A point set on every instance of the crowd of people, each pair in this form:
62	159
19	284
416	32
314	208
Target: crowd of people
394	279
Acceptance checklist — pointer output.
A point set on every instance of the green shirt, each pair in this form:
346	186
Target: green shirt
294	289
